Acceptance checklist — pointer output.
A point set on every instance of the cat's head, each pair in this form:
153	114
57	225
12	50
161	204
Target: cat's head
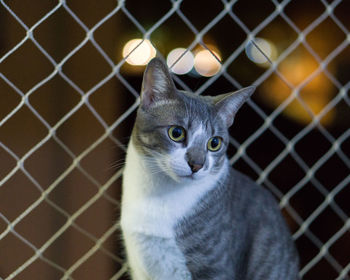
181	134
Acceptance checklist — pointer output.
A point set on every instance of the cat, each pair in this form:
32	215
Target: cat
185	212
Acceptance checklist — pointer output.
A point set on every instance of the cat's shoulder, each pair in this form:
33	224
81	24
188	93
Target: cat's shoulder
255	201
248	190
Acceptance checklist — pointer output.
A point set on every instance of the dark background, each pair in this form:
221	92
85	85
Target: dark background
51	172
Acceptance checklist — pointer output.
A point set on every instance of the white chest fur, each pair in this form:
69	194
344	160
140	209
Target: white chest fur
152	205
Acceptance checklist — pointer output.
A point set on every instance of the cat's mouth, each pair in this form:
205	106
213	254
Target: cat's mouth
192	176
180	176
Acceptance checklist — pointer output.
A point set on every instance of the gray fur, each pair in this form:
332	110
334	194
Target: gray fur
236	231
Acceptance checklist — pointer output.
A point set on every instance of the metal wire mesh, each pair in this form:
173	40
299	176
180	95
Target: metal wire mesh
15	162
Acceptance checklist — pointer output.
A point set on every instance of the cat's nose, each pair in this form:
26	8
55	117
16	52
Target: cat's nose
195	158
195	167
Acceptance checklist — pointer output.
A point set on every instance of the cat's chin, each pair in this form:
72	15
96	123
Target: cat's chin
190	177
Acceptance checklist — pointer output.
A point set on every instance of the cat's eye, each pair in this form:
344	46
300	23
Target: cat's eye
177	133
214	144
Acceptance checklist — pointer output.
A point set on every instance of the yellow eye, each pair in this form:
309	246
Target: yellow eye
214	144
176	133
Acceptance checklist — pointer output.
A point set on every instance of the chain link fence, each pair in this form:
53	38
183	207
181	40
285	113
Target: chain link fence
68	101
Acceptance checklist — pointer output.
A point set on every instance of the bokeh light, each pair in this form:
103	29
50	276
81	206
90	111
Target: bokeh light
182	65
255	55
138	51
206	64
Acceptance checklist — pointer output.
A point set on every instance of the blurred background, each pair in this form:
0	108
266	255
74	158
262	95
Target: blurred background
70	76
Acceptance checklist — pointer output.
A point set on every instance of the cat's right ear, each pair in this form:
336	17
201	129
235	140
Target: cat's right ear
157	83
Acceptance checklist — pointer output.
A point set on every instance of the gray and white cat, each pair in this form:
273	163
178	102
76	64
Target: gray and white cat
186	214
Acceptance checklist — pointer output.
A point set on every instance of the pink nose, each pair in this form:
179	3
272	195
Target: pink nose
195	167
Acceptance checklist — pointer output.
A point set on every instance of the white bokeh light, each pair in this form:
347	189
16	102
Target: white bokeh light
206	64
182	65
138	51
255	55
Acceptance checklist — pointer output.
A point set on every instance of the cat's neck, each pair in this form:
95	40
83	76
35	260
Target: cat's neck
151	199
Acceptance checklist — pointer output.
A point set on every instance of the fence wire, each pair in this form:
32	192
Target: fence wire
10	227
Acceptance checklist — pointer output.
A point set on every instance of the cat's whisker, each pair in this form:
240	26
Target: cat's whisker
117	164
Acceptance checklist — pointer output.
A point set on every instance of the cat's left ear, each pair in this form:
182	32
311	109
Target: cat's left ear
228	104
157	83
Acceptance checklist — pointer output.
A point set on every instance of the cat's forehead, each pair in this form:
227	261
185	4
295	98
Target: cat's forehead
188	108
193	112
